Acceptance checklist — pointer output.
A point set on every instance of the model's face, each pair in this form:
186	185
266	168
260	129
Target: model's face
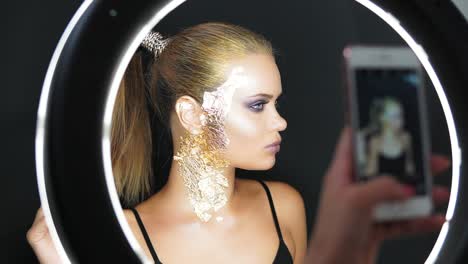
253	121
393	117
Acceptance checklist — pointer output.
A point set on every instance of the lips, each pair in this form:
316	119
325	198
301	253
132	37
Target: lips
274	144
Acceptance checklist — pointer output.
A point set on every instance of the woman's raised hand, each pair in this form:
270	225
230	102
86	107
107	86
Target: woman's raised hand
344	230
40	240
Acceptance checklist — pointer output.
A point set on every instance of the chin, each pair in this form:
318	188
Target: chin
270	164
266	164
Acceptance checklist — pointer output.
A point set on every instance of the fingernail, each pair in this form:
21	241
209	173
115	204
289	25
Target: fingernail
442	219
408	190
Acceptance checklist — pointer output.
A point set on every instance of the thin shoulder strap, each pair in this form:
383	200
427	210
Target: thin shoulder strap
145	235
272	207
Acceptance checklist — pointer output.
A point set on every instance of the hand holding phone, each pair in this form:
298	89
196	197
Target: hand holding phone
345	230
387	112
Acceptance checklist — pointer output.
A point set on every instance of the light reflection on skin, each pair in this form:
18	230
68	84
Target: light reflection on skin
201	160
392	118
254	122
251	124
217	104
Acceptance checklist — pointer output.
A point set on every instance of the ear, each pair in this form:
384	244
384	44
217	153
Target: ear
189	113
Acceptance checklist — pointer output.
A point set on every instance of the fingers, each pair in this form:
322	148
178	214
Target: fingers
385	188
340	170
382	189
39	214
440	194
38	229
396	229
439	163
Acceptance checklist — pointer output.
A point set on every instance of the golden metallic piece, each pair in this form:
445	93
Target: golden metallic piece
200	157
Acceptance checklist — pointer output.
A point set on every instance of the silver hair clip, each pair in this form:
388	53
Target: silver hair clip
155	43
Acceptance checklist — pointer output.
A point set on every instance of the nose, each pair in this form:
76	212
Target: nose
280	123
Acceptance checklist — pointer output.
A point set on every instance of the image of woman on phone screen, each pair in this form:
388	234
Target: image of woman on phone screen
390	148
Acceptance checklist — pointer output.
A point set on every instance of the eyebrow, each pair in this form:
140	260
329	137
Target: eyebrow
269	96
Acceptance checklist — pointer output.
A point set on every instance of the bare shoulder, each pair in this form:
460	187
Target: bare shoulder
290	209
374	140
285	195
132	222
286	199
282	189
406	136
130	217
289	204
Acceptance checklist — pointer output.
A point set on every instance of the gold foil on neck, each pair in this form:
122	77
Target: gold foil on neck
200	157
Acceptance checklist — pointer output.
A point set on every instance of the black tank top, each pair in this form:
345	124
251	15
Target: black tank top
393	166
283	256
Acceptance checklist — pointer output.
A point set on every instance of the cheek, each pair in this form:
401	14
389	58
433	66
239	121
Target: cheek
397	121
242	130
246	136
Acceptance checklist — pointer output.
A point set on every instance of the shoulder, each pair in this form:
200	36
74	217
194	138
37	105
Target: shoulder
289	205
132	222
290	209
406	137
374	140
285	196
374	143
130	217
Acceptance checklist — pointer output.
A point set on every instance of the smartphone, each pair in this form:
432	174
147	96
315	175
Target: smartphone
387	112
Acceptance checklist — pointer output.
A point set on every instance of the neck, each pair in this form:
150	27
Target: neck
389	133
175	193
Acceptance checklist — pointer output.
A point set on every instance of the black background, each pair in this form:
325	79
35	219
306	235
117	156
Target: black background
309	35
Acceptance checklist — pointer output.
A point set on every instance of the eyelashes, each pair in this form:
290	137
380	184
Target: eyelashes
259	106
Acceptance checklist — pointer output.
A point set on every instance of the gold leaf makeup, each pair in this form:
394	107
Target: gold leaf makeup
200	157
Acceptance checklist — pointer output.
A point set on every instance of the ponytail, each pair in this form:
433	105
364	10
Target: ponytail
196	59
131	144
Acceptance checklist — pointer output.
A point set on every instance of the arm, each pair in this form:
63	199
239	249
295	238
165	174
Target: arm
344	230
409	157
372	162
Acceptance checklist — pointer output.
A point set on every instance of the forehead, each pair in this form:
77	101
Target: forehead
393	108
259	73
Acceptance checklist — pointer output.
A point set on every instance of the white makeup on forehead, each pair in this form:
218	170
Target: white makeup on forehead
217	103
220	100
393	110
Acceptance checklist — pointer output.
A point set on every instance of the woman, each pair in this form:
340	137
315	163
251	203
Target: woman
390	149
215	85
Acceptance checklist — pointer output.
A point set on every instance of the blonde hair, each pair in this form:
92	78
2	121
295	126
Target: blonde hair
378	108
193	62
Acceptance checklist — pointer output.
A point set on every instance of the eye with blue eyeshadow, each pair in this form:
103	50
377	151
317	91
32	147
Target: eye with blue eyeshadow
259	103
258	106
262	103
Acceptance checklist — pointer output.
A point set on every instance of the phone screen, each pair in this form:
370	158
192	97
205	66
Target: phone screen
389	125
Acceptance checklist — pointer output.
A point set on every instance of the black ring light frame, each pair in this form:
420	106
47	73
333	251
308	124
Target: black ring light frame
73	160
